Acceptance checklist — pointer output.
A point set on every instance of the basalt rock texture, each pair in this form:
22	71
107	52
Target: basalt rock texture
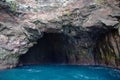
59	31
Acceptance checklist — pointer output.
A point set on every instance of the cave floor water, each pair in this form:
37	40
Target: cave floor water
60	72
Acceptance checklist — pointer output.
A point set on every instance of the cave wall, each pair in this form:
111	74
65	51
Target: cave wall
107	50
24	22
84	49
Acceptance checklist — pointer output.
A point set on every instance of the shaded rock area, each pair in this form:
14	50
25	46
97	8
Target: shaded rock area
107	50
57	48
75	32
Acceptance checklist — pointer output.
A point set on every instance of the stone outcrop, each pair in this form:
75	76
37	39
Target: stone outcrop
92	27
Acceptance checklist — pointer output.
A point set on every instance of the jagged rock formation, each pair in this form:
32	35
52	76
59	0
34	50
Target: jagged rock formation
89	29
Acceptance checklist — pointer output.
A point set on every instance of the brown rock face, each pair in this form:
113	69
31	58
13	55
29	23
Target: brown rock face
107	50
82	31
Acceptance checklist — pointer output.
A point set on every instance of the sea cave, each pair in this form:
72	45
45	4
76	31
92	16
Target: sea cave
59	40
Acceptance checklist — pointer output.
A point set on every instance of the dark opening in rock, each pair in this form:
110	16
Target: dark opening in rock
51	48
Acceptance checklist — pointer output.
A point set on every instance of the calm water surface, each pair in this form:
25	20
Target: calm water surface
60	72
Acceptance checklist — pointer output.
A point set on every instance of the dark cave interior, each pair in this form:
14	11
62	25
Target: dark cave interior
49	49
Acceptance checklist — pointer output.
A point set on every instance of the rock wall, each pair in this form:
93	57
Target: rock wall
108	49
24	22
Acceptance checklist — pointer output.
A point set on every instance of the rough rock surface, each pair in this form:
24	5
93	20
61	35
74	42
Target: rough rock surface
93	25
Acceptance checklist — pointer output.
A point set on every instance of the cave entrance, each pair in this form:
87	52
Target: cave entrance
51	48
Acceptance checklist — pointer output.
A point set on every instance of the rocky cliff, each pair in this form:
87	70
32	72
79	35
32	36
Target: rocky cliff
59	31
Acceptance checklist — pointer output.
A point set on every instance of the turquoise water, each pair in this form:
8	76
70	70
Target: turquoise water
60	72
